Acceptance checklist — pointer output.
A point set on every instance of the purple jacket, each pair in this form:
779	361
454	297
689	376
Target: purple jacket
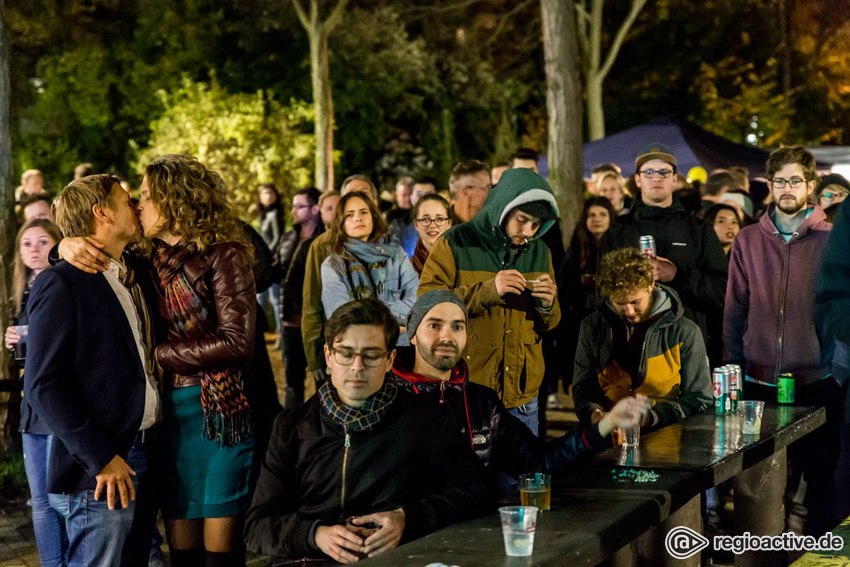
769	324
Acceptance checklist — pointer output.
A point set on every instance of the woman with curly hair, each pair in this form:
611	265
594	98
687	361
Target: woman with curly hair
365	263
200	263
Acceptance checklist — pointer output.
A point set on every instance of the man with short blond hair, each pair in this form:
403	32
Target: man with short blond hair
90	377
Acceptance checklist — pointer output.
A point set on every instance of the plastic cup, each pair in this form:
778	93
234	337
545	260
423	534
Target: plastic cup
750	412
629	436
21	345
535	490
518	526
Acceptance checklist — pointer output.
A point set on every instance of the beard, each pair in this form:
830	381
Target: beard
790	206
439	361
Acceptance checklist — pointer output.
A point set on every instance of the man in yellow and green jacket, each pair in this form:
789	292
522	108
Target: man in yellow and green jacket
501	270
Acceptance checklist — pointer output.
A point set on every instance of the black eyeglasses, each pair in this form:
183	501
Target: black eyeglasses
662	173
345	357
425	222
794	182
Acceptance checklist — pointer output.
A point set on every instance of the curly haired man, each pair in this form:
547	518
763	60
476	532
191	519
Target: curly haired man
638	342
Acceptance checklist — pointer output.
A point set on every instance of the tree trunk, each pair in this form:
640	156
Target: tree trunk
323	106
595	109
318	31
8	224
563	102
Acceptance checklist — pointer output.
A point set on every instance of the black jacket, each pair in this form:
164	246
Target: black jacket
411	459
293	254
684	240
501	441
84	375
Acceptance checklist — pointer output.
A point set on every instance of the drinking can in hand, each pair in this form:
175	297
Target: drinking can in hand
647	245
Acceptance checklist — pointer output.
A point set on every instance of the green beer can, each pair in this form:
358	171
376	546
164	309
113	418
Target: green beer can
785	391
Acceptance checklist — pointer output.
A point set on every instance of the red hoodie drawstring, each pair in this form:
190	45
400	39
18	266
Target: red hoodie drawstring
468	421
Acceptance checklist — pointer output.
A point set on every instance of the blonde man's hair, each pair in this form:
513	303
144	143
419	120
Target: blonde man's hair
624	271
73	207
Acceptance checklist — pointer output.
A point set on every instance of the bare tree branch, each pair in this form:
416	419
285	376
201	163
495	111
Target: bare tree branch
442	8
302	15
504	19
336	16
637	6
595	54
582	21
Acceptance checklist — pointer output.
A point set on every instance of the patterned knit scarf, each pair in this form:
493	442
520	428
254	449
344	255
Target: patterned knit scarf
363	418
226	412
363	266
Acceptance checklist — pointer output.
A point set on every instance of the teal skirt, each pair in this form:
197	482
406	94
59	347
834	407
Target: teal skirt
201	479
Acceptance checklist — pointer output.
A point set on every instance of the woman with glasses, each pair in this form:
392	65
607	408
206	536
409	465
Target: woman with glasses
831	190
432	217
365	263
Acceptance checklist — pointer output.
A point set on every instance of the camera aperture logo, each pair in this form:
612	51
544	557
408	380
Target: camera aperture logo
682	542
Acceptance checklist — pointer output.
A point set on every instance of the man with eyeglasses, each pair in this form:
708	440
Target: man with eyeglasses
469	184
689	258
307	225
363	465
769	323
503	273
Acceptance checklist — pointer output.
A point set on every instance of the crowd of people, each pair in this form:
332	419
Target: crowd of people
435	326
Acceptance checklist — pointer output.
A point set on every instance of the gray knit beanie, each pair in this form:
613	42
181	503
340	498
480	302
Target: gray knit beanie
428	301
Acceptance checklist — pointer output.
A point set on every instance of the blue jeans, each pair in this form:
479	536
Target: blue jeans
48	525
272	296
527	413
96	534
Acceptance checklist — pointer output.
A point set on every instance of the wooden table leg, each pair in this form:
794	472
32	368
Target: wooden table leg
760	508
650	546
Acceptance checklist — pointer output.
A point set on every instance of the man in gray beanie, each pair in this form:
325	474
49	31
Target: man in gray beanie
437	328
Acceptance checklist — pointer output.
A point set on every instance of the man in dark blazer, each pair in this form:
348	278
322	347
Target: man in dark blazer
90	377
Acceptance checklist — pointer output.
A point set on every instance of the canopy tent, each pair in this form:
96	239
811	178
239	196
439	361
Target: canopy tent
691	145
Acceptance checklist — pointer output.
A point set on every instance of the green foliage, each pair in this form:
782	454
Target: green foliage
248	138
13	478
735	96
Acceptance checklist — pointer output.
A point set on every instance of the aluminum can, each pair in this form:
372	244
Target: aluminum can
722	401
785	390
647	245
735	392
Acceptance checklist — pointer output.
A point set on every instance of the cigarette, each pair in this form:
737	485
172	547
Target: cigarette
533	281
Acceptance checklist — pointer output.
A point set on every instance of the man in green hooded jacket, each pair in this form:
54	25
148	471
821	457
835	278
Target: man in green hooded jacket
501	270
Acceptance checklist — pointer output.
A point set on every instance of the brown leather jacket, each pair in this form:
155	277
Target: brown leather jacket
223	280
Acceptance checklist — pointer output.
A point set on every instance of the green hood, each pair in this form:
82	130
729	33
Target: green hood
515	187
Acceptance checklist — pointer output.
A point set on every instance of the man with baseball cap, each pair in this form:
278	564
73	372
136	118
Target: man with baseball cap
689	258
437	326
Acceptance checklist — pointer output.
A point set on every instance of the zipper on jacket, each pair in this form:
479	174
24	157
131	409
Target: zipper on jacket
442	391
783	291
344	466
